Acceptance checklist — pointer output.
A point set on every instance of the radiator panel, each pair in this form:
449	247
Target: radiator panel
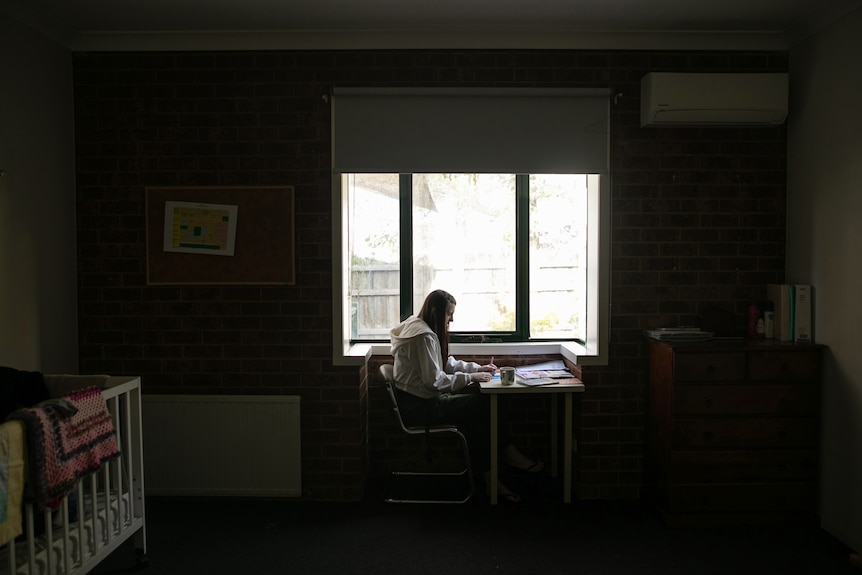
222	445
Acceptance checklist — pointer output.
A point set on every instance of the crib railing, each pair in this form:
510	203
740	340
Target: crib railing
105	508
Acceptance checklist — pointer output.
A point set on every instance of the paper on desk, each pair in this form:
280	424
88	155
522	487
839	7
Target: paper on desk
535	381
548	369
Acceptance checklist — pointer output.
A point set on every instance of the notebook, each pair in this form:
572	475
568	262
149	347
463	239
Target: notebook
547	370
534	381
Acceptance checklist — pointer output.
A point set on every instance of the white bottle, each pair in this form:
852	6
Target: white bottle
769	324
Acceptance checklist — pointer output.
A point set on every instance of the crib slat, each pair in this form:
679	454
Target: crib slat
127	444
31	537
129	460
114	408
94	545
65	547
106	494
49	545
80	521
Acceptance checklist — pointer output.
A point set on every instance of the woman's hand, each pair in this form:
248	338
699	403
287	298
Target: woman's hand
490	367
473	378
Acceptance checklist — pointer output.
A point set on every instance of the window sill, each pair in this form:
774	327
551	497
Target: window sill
575	352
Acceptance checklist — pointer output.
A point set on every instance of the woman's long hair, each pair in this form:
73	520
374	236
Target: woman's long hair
433	313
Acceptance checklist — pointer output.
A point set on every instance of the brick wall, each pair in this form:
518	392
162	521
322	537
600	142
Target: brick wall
698	223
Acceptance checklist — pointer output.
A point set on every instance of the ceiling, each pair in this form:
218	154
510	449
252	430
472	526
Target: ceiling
246	24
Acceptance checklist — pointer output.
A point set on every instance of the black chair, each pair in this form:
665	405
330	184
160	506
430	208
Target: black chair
464	493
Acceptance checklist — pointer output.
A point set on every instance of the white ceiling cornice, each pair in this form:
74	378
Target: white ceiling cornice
419	39
92	25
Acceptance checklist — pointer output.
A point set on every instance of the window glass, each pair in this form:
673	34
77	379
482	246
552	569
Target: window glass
558	256
373	255
464	242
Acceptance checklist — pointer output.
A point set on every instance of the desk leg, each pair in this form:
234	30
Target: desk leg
494	450
567	451
554	441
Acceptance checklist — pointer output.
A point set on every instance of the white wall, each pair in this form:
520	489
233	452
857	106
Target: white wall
38	286
824	248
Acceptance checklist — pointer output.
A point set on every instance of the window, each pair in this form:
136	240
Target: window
524	251
474	235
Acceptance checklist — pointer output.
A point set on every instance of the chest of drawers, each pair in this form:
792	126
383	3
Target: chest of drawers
732	431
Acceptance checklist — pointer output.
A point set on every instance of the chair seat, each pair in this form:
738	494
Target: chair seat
432	482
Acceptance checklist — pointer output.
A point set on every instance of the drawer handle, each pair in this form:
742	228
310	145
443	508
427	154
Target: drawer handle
707	403
784	369
710	369
707	436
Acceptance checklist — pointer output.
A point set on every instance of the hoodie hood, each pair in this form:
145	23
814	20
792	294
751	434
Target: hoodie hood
407	330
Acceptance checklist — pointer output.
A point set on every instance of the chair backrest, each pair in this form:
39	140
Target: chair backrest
387	371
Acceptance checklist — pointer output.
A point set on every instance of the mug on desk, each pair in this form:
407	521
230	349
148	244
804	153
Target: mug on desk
507	375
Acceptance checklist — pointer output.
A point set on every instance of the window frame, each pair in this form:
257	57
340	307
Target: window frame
594	351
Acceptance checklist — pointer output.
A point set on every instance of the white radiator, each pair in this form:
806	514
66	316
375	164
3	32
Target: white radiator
213	445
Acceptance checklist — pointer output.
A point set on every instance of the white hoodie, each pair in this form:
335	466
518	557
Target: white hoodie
417	369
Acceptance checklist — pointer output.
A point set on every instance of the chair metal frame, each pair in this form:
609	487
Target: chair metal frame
386	370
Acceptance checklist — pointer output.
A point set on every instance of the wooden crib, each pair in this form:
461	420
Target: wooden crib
105	507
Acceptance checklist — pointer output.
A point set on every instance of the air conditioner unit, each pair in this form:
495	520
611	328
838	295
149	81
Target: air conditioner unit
680	99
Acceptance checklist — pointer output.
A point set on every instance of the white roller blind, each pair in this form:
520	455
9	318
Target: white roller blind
529	131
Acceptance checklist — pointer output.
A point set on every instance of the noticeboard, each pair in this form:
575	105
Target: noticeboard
220	235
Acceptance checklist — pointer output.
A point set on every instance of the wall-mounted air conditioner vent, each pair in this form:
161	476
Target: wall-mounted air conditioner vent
679	99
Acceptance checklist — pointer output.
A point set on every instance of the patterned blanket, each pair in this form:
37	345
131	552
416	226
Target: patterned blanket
66	439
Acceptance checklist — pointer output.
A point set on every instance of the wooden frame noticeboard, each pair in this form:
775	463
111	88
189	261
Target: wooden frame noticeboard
252	231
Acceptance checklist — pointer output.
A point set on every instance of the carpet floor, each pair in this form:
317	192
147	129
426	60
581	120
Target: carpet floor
215	536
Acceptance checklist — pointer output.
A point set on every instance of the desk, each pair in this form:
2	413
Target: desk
565	386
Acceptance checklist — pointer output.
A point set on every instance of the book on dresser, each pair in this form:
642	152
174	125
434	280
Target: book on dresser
779	295
802	318
792	305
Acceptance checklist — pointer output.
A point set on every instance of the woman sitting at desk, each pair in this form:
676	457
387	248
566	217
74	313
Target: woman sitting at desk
435	388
